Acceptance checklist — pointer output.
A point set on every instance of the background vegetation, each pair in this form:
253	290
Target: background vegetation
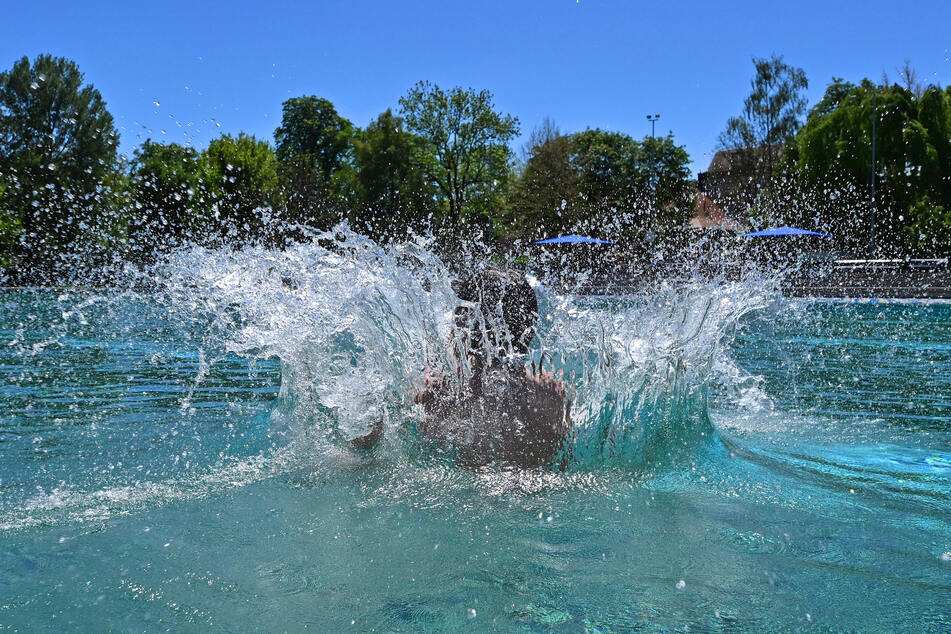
442	161
871	164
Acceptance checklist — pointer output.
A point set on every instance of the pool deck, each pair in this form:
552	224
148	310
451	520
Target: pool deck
900	279
840	279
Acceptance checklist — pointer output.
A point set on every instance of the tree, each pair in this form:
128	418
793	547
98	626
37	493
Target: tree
667	172
929	227
465	150
645	182
833	167
392	194
539	204
934	113
593	179
240	176
909	79
58	159
313	143
771	116
166	189
10	230
611	180
539	136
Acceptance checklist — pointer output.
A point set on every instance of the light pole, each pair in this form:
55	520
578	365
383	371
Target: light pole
653	177
874	202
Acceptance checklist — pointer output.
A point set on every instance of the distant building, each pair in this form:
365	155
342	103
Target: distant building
709	216
735	178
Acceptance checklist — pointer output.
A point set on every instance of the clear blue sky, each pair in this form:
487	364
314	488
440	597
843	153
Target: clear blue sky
584	63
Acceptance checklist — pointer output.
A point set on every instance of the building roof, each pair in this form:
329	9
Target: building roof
738	158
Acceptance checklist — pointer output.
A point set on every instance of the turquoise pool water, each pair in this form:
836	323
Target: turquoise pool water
161	470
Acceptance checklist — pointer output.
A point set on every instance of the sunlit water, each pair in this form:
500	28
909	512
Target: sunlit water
176	457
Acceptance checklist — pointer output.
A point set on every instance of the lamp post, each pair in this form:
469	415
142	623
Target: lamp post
874	202
653	176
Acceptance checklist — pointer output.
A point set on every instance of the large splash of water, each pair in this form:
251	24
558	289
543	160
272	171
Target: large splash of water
356	326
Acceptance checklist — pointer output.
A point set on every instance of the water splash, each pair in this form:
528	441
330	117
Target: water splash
643	366
356	325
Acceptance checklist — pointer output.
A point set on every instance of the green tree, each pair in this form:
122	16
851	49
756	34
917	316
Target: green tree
549	180
934	113
541	134
595	179
929	228
240	179
167	195
58	158
313	144
834	170
833	167
645	182
465	151
392	194
664	165
770	118
10	230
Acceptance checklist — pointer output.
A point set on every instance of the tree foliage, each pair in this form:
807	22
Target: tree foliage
833	165
595	178
10	230
166	187
240	176
313	144
549	179
446	158
390	190
465	151
58	161
771	116
541	134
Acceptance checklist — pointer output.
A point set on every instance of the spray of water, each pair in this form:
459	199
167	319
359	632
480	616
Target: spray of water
356	326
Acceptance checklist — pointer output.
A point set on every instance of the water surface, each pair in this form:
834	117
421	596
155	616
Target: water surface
162	468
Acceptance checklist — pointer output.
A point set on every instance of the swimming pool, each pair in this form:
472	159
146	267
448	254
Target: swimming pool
162	469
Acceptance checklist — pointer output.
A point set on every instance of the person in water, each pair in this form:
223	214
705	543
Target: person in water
494	408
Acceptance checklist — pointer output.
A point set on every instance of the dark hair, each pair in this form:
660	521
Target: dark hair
507	304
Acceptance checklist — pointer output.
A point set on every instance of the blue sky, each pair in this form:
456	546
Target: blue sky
584	63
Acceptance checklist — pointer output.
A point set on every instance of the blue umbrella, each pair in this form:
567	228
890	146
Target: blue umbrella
573	239
784	231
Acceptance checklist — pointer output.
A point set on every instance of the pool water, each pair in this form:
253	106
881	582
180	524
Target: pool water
152	478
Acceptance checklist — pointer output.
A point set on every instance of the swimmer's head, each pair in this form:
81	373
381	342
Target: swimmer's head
508	305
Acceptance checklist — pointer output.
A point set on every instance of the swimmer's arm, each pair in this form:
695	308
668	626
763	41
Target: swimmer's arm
431	384
544	378
370	440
